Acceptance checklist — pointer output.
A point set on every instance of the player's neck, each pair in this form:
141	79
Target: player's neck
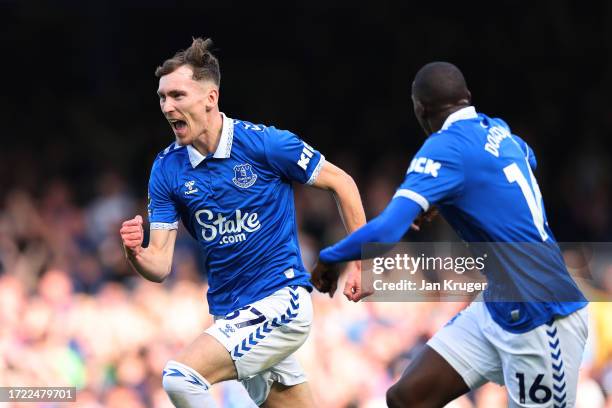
208	141
437	121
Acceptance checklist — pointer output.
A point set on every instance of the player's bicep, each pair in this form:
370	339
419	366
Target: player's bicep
163	213
291	157
331	177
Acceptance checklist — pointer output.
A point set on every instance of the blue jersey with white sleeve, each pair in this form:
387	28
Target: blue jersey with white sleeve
481	178
238	204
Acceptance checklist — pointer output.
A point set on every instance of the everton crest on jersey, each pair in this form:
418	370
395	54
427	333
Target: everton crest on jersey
244	176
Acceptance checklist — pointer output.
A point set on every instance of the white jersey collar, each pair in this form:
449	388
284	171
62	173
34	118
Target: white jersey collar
468	112
223	149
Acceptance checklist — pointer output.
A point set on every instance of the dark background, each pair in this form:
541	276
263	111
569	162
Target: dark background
78	90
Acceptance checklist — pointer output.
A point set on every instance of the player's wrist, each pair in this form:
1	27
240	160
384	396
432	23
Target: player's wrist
131	253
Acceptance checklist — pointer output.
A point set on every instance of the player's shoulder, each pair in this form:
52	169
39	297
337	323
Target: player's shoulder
450	138
495	121
258	136
169	156
256	131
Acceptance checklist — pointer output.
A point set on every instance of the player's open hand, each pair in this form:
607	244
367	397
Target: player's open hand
132	235
324	277
353	290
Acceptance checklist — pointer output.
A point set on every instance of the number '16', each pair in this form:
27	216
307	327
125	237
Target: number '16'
535	387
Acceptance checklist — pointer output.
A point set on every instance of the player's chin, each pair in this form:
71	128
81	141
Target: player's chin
182	139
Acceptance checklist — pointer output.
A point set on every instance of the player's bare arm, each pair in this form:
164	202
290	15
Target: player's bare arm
154	261
346	194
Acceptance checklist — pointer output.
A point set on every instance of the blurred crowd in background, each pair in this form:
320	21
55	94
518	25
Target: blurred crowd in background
82	125
73	313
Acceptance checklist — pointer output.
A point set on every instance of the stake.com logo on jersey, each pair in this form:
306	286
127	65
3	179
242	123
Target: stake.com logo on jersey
424	165
230	229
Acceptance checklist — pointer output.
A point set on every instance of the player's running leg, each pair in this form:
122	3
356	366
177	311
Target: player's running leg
187	378
283	385
541	366
429	381
254	345
263	354
457	359
282	396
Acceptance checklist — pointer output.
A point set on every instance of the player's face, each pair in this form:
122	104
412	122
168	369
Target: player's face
185	103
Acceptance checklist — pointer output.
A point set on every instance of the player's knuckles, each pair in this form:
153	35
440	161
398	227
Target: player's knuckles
127	229
132	239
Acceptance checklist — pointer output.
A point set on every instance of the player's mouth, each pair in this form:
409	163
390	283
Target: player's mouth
178	125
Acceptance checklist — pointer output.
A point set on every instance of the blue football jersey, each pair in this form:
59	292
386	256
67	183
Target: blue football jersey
238	204
481	178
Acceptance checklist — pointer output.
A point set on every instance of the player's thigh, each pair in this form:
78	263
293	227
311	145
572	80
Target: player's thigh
457	358
263	334
284	384
429	381
208	357
541	366
282	396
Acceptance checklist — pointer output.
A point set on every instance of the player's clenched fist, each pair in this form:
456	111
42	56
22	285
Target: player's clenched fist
132	235
324	277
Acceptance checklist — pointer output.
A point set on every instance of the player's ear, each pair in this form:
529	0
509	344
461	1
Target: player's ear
418	107
213	96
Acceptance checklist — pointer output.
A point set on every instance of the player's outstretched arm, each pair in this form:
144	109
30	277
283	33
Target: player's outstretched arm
346	194
154	261
388	227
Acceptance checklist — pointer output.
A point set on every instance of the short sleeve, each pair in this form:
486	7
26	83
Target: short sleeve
291	157
162	209
435	174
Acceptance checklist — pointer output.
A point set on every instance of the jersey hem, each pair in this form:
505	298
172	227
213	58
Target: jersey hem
300	281
536	322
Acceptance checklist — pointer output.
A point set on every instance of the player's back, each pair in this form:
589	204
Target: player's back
480	175
500	199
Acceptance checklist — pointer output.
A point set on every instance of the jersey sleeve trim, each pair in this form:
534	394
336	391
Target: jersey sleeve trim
316	171
416	197
164	225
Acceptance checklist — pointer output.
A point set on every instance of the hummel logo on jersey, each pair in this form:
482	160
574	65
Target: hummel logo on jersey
190	189
425	166
305	157
231	230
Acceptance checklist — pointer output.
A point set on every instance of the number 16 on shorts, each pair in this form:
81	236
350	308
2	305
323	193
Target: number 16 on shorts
538	393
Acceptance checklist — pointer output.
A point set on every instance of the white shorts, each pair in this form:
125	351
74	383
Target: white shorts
538	368
262	337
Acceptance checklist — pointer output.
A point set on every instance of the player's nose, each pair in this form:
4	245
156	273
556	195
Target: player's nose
166	106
